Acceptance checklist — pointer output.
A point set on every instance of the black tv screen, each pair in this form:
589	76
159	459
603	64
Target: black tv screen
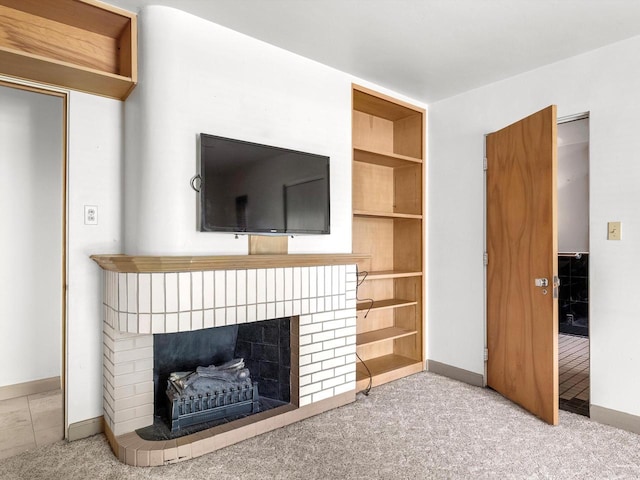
253	188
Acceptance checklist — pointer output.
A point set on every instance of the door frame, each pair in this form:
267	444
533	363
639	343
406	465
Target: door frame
50	90
559	120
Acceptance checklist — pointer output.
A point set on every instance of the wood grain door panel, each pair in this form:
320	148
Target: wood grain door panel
522	319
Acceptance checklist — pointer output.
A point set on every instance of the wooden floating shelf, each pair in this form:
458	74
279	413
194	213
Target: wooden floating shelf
369	213
385	369
385	304
384	274
382	335
79	44
383	158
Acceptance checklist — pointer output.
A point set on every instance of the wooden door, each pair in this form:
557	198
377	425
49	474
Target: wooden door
522	318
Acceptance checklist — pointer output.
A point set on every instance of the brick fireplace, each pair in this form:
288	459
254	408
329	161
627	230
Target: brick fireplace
144	296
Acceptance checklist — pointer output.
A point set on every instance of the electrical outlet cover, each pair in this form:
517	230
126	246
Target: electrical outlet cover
90	214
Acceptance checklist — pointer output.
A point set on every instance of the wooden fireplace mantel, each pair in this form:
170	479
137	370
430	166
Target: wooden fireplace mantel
157	264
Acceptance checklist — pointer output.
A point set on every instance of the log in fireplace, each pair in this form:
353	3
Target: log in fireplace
211	393
214	375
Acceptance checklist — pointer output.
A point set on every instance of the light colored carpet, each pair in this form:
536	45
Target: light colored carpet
421	427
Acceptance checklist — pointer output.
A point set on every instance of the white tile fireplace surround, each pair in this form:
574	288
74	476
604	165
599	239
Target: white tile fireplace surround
144	296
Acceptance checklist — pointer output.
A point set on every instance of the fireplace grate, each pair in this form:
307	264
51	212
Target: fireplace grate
191	410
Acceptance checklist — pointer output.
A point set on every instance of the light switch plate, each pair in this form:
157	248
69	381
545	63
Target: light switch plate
613	231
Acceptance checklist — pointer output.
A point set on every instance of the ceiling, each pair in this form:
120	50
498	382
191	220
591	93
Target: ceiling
425	49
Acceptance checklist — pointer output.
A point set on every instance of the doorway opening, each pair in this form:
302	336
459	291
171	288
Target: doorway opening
33	196
573	263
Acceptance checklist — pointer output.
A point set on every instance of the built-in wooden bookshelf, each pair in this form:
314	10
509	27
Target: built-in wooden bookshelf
388	190
79	44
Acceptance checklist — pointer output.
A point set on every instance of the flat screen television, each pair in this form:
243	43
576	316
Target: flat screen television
251	188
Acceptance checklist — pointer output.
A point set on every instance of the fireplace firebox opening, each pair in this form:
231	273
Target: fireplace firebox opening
193	399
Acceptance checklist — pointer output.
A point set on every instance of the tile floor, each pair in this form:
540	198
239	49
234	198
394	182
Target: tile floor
573	373
30	422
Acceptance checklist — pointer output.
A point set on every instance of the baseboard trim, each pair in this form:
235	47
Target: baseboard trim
30	388
615	418
456	373
85	428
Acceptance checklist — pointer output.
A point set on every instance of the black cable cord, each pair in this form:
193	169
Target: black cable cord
364	276
368	389
370	305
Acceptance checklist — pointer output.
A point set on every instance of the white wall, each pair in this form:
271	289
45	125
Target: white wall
196	76
31	166
95	178
605	83
573	186
573	198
